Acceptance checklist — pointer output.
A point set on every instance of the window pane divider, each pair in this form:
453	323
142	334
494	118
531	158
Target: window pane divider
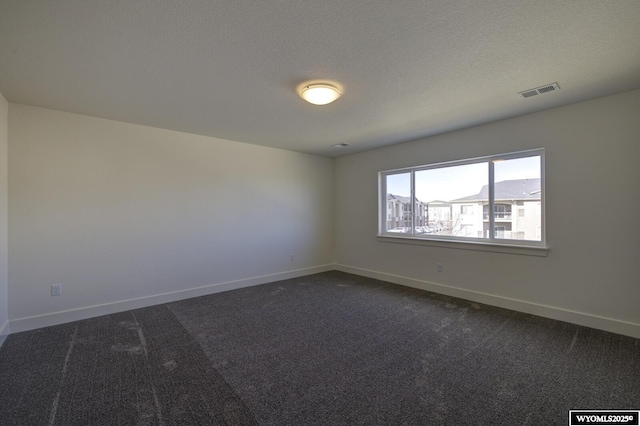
492	207
413	202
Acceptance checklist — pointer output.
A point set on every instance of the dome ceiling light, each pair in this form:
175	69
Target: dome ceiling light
319	93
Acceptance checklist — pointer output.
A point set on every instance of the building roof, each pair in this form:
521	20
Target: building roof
400	198
438	203
516	189
407	200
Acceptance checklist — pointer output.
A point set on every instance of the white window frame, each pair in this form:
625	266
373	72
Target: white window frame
491	243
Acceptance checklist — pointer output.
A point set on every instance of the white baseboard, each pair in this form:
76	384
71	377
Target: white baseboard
580	318
55	318
4	332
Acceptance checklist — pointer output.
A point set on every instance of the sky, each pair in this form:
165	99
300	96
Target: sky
449	183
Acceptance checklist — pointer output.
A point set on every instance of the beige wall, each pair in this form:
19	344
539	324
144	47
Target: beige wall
124	215
4	316
592	272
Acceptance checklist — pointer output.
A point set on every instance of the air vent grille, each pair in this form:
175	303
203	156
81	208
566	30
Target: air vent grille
529	93
552	87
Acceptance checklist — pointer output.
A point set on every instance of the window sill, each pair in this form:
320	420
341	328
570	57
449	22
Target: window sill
468	245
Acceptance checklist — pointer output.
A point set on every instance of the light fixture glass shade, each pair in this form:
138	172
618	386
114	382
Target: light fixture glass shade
320	93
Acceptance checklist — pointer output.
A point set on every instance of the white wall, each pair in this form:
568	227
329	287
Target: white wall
4	316
124	215
591	275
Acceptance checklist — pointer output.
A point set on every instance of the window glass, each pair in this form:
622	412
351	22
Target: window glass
517	182
446	195
398	203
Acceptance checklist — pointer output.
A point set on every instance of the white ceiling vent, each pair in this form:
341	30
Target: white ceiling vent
551	87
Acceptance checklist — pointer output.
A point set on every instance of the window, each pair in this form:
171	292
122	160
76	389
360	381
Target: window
473	200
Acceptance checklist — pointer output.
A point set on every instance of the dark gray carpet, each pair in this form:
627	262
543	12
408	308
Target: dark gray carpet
325	349
134	368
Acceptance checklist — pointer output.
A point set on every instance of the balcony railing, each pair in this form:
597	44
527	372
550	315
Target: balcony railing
498	216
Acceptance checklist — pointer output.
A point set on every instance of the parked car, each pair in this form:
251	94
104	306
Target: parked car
399	230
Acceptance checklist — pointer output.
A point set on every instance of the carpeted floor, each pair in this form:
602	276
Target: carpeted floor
327	349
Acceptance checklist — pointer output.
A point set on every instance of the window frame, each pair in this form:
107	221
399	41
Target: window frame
490	243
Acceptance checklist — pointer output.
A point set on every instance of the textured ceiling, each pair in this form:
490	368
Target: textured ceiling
229	69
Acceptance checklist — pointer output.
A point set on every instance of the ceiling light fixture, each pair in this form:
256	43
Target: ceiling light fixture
320	93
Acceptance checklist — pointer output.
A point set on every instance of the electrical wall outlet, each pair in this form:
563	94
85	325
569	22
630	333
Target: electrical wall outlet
56	289
440	267
292	257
